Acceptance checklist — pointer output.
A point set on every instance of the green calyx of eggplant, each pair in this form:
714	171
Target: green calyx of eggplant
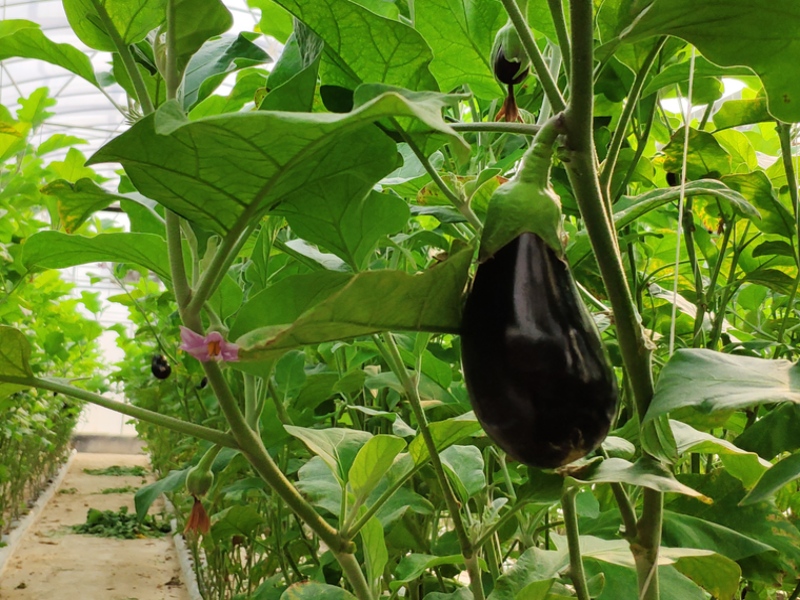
526	203
200	477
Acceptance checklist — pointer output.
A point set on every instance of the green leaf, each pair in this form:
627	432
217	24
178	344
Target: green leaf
464	467
361	304
15	351
278	156
147	494
131	19
348	225
730	32
532	565
195	22
78	201
757	189
711	382
296	94
461	34
24	39
686	531
363	47
338	447
735	113
320	485
705	157
761	521
781	474
645	472
275	21
56	250
773	433
312	590
444	433
372	462
745	466
376	554
413	566
241	520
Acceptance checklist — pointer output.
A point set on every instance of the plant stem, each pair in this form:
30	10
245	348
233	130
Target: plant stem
127	58
172	77
180	284
626	510
462	206
253	449
537	60
573	540
507	516
635	349
560	23
198	431
412	393
625	119
497	127
796	593
354	575
474	572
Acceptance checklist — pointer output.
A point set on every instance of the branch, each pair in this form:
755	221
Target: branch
497	127
197	431
576	571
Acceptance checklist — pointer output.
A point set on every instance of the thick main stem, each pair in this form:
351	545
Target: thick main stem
633	344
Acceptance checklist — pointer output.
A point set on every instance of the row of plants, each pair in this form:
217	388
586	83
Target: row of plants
318	230
36	425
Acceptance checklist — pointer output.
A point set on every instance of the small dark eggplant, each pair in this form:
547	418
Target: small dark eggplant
160	367
534	364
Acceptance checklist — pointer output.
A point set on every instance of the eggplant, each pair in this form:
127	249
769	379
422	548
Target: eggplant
160	367
533	361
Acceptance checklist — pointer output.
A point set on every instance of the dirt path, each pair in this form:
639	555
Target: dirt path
52	562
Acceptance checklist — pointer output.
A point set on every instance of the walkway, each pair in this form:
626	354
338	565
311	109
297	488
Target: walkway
52	562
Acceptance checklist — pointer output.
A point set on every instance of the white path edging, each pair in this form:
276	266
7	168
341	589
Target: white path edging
19	528
184	556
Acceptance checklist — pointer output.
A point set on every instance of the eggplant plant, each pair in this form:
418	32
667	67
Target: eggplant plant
338	231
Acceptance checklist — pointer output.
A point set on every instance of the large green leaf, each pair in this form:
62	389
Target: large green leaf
757	189
131	19
214	61
372	462
226	170
731	32
745	466
762	521
320	485
705	156
645	472
461	34
714	572
78	201
363	47
773	433
15	351
710	382
365	303
56	250
679	73
686	531
24	39
783	473
464	466
337	446
347	225
195	22
735	113
444	433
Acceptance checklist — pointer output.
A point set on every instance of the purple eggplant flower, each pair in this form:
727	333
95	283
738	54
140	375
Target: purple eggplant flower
208	347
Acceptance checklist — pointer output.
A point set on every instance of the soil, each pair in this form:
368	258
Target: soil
53	562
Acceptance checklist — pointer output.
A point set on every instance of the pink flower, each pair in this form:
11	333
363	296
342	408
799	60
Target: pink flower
210	347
